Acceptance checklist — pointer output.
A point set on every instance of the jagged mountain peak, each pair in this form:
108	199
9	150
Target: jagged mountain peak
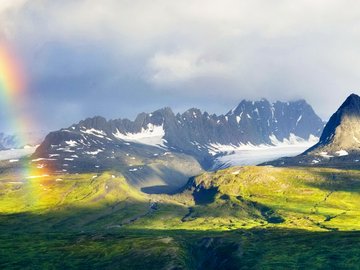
247	105
93	122
193	113
157	117
164	111
351	106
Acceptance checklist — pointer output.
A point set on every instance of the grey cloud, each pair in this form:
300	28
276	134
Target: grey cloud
117	58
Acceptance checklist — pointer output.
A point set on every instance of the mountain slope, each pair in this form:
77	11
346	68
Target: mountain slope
339	144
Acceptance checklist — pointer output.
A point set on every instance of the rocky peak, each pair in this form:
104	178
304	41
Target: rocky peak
96	122
342	132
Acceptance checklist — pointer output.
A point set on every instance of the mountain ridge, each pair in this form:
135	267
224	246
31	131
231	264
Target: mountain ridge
96	143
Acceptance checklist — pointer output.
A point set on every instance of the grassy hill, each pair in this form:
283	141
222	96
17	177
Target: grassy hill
238	218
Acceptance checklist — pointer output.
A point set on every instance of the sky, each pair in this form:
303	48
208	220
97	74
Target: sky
117	58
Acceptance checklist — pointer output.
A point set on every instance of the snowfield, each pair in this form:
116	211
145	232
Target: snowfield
152	135
259	154
253	155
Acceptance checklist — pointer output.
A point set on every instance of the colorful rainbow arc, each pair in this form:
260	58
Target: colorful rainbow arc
13	98
12	90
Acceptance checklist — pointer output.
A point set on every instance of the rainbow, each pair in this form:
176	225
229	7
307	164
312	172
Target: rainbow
12	91
13	88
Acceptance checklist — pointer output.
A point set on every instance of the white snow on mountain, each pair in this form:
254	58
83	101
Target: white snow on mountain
95	132
325	155
255	154
341	153
152	135
94	153
293	140
71	143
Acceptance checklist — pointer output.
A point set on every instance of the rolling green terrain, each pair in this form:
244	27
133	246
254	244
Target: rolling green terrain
238	218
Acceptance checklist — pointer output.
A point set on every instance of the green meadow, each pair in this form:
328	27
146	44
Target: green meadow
238	218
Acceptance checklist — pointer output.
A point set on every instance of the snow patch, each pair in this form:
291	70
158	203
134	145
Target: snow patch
95	132
41	159
152	135
325	155
293	140
298	120
342	153
71	143
94	153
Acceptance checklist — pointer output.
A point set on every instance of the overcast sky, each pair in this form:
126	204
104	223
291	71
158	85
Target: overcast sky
119	57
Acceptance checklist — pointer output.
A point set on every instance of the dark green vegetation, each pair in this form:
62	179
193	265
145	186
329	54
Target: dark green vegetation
239	218
251	249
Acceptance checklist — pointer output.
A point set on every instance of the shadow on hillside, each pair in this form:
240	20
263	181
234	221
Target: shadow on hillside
160	189
169	180
348	181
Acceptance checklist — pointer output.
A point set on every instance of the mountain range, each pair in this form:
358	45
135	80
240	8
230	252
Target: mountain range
164	145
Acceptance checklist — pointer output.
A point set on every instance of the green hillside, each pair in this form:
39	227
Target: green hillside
239	218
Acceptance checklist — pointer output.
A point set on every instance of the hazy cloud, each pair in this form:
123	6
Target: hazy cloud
182	66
